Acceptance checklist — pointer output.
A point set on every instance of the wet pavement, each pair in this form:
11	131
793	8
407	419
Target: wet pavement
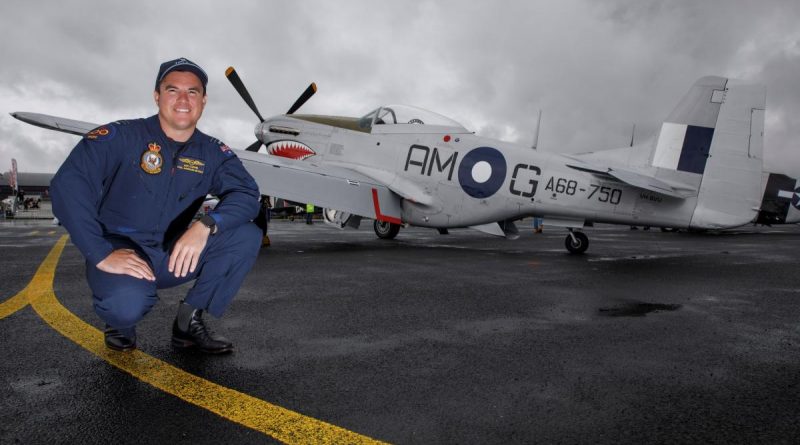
462	338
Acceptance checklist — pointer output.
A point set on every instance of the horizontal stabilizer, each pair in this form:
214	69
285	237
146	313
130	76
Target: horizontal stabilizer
639	180
62	124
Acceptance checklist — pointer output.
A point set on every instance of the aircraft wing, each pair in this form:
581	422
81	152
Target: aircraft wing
324	186
301	181
637	179
71	126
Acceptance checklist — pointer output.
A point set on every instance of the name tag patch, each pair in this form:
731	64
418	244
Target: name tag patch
191	165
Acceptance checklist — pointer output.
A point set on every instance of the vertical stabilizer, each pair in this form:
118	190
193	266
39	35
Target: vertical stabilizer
685	138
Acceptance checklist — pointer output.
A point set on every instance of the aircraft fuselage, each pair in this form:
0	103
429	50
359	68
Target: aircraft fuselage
466	180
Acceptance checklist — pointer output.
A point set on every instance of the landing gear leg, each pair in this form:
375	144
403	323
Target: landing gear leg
576	242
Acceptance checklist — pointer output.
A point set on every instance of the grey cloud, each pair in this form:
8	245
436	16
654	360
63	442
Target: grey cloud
595	68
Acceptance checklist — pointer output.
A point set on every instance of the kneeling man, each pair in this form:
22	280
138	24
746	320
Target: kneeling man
127	195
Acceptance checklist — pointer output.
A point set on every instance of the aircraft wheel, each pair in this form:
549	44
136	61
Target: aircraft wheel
580	244
386	230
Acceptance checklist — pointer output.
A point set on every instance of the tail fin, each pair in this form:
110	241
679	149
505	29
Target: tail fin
685	139
717	131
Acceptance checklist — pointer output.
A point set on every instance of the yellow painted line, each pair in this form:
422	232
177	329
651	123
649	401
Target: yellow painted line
280	423
42	282
52	232
34	232
13	305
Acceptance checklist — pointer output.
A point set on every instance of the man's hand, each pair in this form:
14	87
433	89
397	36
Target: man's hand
186	253
127	262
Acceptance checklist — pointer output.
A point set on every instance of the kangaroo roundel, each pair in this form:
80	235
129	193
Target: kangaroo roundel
482	172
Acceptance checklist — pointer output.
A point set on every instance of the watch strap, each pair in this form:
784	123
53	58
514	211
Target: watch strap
209	221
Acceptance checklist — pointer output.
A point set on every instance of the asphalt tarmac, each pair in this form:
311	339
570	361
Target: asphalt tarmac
649	337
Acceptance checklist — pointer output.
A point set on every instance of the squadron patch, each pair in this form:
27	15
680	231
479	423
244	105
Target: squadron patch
151	159
191	165
102	133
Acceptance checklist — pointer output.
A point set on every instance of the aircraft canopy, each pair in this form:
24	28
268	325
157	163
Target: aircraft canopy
406	115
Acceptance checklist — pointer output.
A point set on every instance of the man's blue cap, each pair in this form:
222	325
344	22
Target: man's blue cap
182	64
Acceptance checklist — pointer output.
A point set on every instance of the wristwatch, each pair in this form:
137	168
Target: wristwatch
210	222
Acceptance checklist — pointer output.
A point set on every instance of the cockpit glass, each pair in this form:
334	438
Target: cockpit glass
405	115
366	121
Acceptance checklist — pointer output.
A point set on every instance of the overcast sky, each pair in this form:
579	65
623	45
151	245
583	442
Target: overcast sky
594	67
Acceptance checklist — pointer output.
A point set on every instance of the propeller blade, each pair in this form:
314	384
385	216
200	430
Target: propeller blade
254	146
237	83
303	98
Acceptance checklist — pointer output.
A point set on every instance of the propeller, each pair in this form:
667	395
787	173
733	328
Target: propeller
303	98
238	85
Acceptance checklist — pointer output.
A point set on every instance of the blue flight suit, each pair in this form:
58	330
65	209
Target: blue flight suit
127	185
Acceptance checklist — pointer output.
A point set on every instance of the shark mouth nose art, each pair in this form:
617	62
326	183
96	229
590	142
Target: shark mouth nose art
290	149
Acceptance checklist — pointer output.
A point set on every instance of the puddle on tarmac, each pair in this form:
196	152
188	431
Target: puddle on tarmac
637	309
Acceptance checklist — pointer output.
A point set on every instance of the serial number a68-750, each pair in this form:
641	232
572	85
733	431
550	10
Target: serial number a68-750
569	187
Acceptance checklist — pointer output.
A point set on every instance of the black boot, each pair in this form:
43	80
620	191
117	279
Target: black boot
189	331
117	341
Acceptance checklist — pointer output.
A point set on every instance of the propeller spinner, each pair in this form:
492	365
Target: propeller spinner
238	85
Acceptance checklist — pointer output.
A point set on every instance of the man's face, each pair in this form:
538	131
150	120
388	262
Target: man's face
180	101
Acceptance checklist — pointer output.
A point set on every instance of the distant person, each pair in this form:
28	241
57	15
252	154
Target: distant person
538	224
309	213
127	194
263	218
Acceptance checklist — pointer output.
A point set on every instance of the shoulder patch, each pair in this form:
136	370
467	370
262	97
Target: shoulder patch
102	133
225	149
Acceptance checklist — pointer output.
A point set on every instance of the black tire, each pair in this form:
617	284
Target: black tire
580	244
386	230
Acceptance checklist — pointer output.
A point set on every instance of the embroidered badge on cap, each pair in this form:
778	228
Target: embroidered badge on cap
191	165
102	133
151	159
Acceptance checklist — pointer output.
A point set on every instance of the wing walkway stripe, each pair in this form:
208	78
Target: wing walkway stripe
280	423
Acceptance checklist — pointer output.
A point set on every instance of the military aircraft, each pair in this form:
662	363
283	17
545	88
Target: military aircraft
402	165
781	200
